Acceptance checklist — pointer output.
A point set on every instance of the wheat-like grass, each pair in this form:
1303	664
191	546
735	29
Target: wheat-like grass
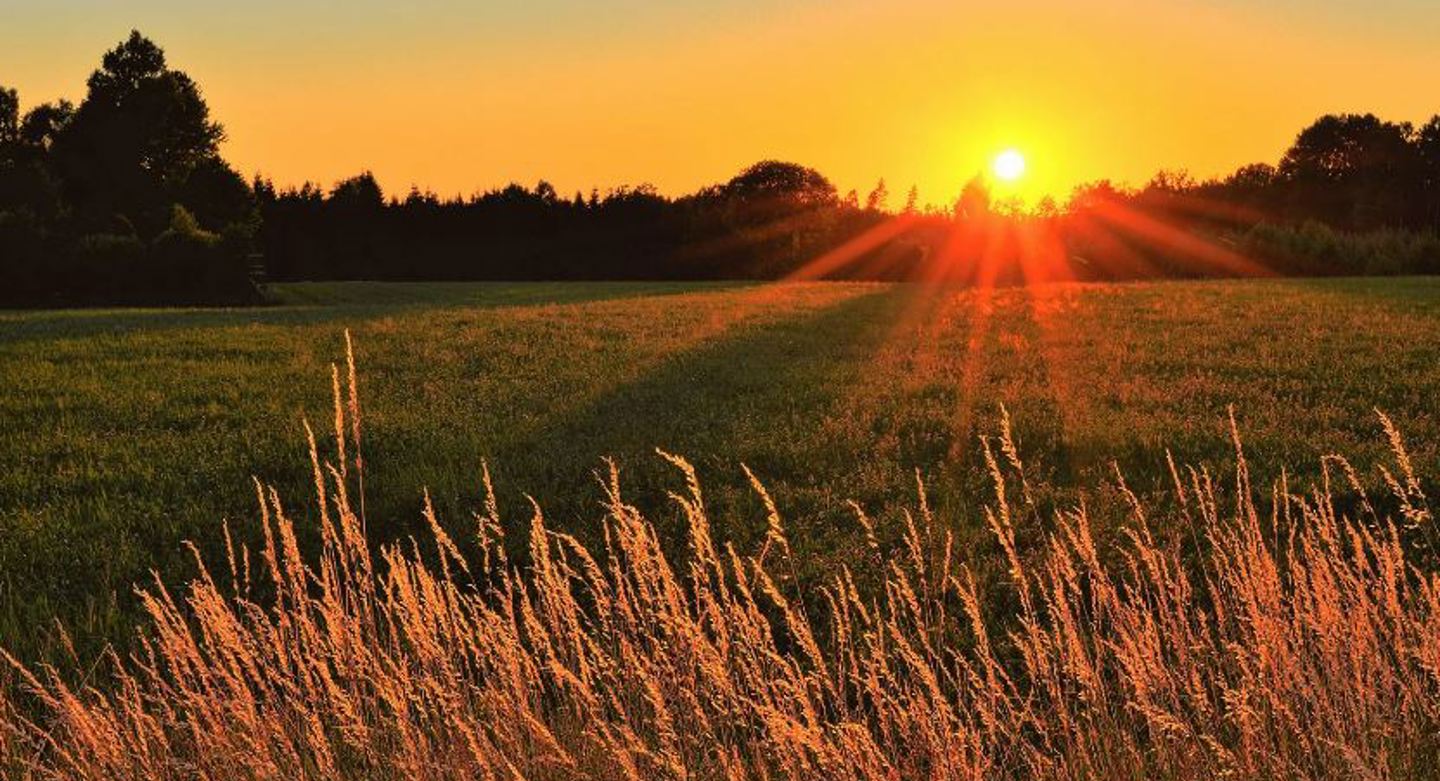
1274	637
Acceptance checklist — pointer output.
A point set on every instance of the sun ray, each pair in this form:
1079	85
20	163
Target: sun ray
1184	244
854	248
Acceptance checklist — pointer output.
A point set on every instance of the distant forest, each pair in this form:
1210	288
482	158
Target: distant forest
125	199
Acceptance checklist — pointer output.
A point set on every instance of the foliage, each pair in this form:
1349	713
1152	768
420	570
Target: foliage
82	187
1319	249
771	181
135	140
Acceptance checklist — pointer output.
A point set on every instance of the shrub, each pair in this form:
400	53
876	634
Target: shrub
192	265
1316	248
104	267
22	243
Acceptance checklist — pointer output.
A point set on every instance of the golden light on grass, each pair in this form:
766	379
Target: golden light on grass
1061	659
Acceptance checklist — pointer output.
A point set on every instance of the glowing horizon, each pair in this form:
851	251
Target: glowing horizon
458	99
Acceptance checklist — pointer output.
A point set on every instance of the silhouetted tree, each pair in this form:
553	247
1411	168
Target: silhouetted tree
912	199
1046	208
1093	195
1427	153
974	201
1254	177
89	196
134	142
27	186
216	195
417	198
9	116
1352	170
1171	181
44	123
775	182
358	192
878	198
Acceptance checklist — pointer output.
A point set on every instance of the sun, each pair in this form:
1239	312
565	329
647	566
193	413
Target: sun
1008	165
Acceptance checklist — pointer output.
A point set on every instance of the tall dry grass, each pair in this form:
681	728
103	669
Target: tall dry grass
1275	636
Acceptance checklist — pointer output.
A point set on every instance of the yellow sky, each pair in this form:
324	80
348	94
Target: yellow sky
459	96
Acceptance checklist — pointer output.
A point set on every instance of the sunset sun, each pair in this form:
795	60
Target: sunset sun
1009	165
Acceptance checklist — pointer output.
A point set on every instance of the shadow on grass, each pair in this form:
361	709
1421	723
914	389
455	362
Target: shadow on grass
758	396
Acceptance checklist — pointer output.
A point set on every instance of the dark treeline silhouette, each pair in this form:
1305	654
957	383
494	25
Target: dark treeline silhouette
1353	195
125	199
764	223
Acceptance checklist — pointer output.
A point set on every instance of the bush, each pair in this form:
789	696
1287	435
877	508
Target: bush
1316	248
183	265
22	245
103	268
190	265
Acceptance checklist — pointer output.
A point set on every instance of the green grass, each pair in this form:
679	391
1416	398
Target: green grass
123	433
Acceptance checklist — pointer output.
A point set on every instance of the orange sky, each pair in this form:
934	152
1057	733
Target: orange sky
459	96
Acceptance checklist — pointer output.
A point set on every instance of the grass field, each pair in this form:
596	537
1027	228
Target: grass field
123	433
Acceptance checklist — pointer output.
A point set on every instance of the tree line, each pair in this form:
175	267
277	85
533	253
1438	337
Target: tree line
126	199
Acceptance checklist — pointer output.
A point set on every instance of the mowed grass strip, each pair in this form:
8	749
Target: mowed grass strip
126	432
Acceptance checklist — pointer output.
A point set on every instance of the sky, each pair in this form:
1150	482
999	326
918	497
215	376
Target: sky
458	97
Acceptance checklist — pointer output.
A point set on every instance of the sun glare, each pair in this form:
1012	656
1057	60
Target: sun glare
1009	165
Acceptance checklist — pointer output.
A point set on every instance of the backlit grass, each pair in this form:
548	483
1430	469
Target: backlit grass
124	433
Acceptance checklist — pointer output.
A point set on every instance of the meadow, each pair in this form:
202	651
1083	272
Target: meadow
127	432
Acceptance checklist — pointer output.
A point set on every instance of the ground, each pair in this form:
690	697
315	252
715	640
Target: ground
124	433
